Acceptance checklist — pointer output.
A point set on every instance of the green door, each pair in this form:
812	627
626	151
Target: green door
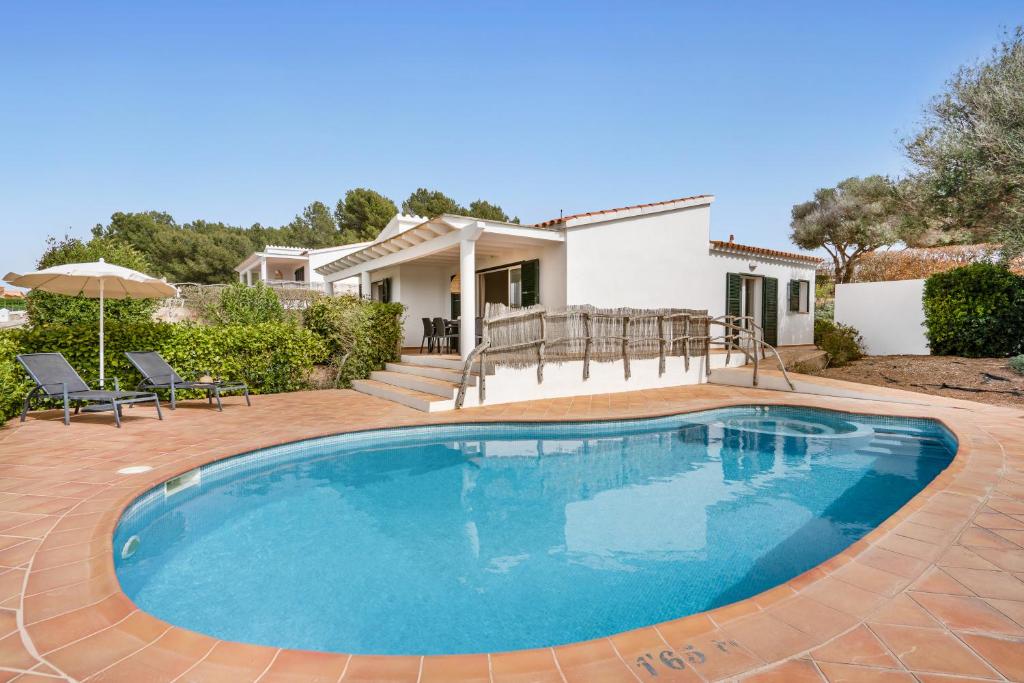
770	311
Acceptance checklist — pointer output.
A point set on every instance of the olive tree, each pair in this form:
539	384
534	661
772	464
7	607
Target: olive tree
969	153
857	216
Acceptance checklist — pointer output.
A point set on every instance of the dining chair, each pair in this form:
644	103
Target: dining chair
441	334
428	335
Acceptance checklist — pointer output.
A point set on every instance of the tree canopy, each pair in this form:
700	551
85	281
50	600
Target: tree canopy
430	203
200	251
45	307
969	154
487	211
206	252
853	218
314	228
362	214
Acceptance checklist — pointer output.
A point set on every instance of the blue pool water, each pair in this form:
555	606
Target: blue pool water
497	537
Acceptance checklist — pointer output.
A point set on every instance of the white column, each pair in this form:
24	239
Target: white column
263	269
364	284
467	296
248	277
241	276
329	288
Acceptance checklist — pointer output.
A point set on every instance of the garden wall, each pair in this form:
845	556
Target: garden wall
889	315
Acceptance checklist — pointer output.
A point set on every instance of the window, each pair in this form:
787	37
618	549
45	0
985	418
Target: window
799	296
381	290
515	287
300	274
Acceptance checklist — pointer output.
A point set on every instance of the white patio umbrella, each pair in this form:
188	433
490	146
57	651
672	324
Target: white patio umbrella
95	280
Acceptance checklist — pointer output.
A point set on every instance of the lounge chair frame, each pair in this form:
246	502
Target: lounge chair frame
69	387
157	373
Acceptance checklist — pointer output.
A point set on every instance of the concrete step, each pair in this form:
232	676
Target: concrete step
439	361
428	403
427	385
446	374
808	361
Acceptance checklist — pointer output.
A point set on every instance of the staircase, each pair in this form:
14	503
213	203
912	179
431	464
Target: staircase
424	382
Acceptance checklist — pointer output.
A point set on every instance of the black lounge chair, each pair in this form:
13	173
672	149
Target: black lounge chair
56	380
158	374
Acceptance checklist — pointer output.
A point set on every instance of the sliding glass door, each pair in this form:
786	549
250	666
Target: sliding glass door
500	286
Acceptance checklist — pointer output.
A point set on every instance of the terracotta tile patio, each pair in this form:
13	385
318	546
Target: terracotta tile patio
934	594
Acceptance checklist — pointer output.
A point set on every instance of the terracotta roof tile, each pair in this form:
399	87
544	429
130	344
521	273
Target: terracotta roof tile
563	219
761	251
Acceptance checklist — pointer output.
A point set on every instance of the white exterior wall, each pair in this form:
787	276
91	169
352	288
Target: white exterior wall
663	260
889	315
509	385
794	328
552	269
647	261
425	292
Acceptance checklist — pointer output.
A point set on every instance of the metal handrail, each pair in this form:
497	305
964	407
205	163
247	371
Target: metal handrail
740	330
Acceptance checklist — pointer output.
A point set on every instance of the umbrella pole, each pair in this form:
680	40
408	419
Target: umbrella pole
101	333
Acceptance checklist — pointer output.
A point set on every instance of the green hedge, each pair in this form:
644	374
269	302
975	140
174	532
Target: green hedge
269	357
361	336
975	311
13	383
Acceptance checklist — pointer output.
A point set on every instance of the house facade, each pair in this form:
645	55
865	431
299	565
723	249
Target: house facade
645	256
278	266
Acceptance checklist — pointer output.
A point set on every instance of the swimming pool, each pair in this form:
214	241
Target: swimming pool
490	537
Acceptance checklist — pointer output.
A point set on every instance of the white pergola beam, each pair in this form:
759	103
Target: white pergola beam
425	248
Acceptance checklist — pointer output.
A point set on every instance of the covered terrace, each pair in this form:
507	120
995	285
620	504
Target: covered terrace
453	265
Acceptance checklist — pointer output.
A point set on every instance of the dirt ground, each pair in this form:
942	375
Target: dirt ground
986	380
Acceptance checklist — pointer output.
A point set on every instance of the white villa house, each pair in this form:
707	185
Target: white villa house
657	255
296	267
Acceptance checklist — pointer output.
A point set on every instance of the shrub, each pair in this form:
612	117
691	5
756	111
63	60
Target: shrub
825	310
269	357
822	325
240	304
842	343
361	336
13	382
975	311
45	308
1017	364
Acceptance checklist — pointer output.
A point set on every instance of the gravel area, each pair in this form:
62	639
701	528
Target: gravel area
986	380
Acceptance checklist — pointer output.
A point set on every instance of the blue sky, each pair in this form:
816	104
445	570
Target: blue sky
247	111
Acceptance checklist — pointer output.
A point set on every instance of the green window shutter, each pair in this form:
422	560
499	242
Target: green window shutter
770	311
531	283
456	306
794	296
733	294
385	291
